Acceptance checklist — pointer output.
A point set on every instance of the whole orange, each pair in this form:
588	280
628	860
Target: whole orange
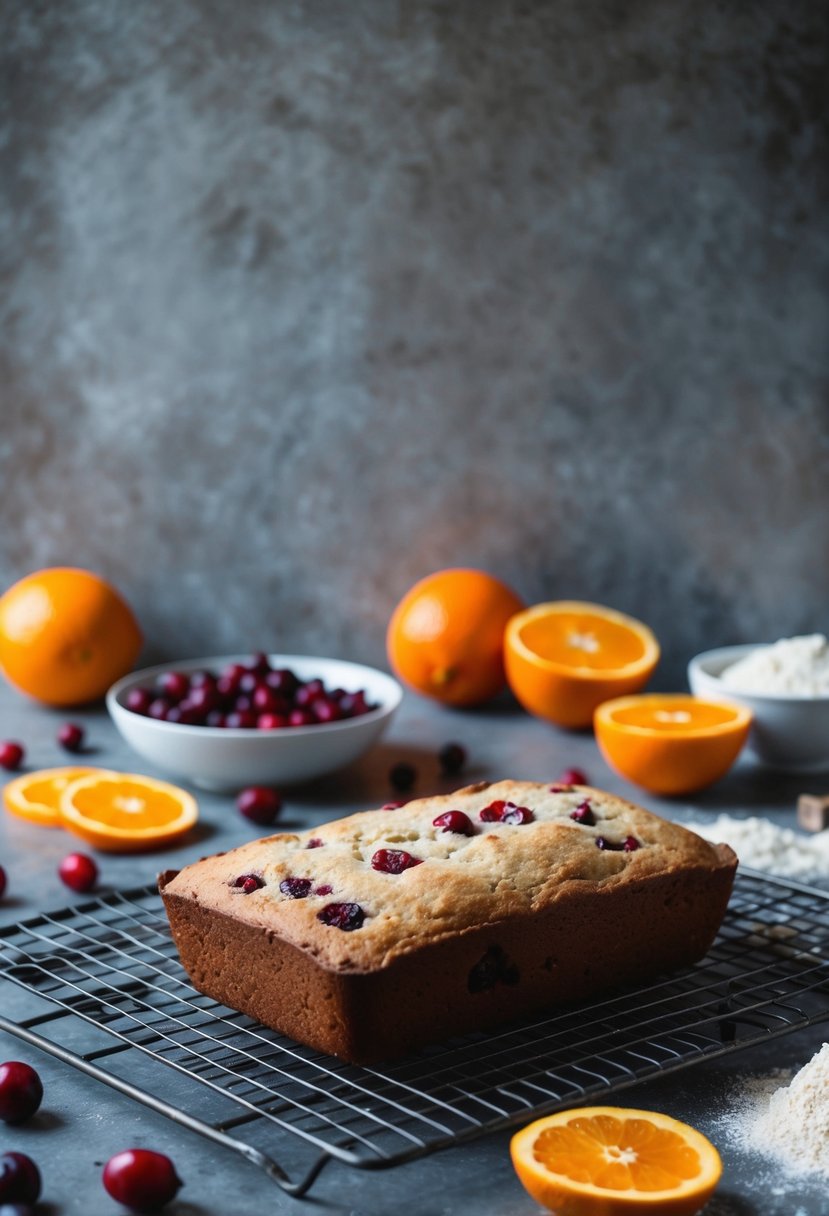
66	635
446	636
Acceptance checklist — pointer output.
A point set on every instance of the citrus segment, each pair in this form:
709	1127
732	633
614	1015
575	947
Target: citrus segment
65	636
671	743
445	638
125	813
609	1161
36	796
565	657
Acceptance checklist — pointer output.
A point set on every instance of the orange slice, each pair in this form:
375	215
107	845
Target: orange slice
609	1161
36	796
671	743
564	658
126	813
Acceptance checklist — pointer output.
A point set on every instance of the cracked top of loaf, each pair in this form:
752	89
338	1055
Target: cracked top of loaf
320	890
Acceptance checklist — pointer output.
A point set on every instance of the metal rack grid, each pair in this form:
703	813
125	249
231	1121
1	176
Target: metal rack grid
110	964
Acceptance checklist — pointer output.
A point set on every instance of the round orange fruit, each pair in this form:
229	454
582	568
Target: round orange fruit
615	1161
446	636
65	636
671	743
564	658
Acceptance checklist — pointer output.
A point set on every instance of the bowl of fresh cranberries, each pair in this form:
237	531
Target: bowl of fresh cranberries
240	720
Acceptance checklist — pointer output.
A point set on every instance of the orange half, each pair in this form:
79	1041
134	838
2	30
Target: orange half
126	813
564	658
36	796
612	1161
671	743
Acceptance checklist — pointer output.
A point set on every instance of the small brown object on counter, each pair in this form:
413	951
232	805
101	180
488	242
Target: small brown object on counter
813	812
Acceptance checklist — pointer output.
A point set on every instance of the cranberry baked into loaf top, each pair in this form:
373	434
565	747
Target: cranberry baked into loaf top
513	878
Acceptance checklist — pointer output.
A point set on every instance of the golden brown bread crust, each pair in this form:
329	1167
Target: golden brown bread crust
504	922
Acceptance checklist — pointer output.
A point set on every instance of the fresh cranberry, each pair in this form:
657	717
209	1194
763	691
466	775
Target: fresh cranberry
272	722
19	1179
506	812
185	715
452	758
202	699
175	685
304	695
394	861
202	679
243	703
455	821
325	709
259	662
21	1091
265	701
392	806
11	755
248	883
249	681
584	814
215	718
241	719
159	708
296	888
630	844
573	776
342	916
300	717
259	804
139	700
325	889
315	843
227	685
141	1179
354	704
402	775
3	881
78	872
282	680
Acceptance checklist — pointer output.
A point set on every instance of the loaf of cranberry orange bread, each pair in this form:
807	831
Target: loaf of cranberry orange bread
389	929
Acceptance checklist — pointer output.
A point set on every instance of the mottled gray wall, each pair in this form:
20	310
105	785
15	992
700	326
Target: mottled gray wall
301	301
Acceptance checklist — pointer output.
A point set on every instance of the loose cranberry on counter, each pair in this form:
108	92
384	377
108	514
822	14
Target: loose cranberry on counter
19	1179
402	776
455	821
71	736
141	1179
78	872
12	755
573	776
452	758
394	861
21	1091
259	804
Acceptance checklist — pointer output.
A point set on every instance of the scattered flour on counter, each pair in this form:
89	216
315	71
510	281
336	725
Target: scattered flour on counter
792	667
795	1124
762	845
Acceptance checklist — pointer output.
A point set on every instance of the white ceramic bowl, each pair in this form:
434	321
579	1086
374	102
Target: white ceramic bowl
787	733
220	758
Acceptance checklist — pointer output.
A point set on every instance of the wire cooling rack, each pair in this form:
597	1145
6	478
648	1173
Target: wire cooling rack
115	1003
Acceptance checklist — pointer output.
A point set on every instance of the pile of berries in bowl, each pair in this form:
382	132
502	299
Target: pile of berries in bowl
230	721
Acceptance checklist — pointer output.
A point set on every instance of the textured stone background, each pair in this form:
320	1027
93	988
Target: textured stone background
301	301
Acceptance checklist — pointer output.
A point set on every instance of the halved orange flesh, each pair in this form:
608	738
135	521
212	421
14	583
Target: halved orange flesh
564	658
612	1161
671	743
36	796
125	812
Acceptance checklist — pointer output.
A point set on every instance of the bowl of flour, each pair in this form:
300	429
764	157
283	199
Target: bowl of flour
785	684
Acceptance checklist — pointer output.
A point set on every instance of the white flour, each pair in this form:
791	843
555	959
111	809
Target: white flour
792	667
762	845
795	1124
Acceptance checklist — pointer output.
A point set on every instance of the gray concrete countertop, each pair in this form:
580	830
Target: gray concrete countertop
82	1122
